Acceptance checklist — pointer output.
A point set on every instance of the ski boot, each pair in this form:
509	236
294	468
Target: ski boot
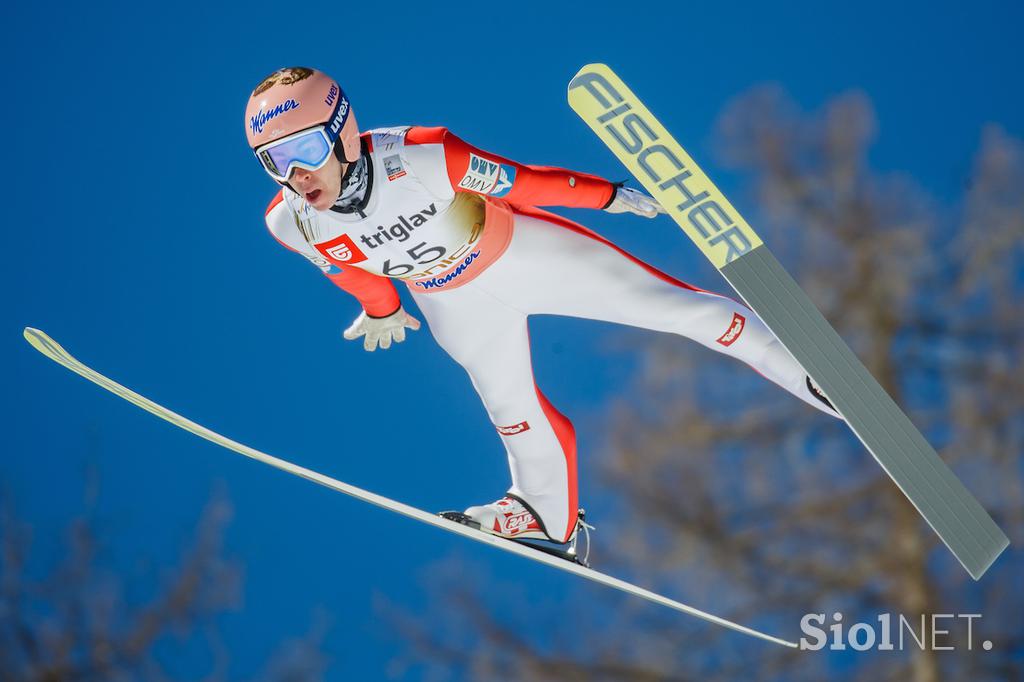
512	519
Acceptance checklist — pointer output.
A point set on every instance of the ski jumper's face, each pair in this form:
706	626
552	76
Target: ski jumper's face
320	188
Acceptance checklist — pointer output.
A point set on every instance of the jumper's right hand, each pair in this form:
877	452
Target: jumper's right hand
628	200
381	330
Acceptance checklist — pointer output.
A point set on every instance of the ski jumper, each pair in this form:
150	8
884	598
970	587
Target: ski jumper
460	227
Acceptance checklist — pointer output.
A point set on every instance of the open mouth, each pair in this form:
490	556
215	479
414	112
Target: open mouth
311	197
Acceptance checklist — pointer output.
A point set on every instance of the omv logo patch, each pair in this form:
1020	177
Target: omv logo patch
485	176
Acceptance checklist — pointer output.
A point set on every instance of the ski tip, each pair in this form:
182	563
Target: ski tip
42	342
34	336
594	67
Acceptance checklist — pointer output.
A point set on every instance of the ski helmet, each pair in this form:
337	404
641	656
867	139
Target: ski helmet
295	118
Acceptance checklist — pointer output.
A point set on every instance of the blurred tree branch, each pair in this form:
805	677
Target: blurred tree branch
77	622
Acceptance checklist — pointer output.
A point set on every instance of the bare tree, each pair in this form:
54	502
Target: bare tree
730	495
75	621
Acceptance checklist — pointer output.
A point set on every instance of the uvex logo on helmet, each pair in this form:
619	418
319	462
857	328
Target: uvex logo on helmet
339	116
260	119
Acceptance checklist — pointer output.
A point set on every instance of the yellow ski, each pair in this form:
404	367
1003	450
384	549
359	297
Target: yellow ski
51	349
672	177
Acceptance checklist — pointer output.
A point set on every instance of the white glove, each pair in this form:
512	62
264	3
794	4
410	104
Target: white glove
381	330
631	201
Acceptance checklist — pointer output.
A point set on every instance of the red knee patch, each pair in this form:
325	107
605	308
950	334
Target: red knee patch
514	429
734	330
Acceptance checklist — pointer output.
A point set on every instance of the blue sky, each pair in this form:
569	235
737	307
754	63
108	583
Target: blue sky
135	238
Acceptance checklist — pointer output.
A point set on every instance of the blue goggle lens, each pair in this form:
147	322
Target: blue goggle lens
310	150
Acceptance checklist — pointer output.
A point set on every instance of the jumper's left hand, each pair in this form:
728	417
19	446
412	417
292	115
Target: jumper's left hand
631	201
381	330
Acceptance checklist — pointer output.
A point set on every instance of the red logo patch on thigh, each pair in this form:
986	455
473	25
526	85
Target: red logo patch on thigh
734	330
514	429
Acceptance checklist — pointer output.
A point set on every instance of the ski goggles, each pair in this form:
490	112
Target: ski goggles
309	149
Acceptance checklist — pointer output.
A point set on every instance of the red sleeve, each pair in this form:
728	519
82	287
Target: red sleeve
473	170
375	293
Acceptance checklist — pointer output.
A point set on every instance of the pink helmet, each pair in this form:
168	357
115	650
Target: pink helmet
296	98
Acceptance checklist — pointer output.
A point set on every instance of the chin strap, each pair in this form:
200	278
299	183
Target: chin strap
339	149
356	185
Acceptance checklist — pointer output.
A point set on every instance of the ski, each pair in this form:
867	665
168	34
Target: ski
672	177
51	349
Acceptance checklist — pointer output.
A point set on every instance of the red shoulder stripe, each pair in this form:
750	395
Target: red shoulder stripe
424	135
278	198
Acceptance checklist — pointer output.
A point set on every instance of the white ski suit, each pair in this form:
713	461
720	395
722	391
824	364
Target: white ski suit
460	226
